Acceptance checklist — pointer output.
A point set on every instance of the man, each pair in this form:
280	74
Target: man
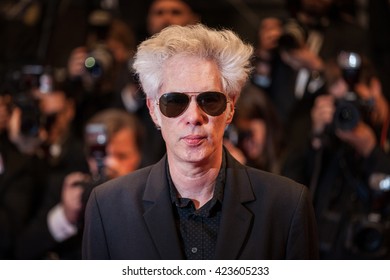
163	13
20	180
346	163
197	202
60	153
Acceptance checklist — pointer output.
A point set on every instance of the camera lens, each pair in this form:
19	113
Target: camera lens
369	239
346	116
99	62
93	67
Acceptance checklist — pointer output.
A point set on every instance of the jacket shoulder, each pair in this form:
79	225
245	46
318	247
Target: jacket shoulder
133	182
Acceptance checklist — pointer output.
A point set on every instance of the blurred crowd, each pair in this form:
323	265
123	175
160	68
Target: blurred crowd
73	115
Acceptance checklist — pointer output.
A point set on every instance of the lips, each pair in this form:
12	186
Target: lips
193	140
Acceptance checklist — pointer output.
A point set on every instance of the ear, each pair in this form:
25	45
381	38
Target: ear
152	107
231	106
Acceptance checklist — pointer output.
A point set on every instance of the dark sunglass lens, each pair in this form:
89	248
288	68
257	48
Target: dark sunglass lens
213	103
173	104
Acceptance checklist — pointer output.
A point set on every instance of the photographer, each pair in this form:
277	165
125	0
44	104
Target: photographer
255	135
291	52
346	162
98	70
20	181
60	153
113	149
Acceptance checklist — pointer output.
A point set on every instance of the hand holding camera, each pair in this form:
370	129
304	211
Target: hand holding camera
76	67
322	113
361	138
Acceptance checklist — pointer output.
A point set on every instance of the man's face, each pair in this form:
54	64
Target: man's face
164	13
254	139
193	136
122	154
58	112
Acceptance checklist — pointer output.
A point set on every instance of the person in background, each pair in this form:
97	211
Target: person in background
256	131
344	159
207	204
292	52
163	13
56	233
21	180
98	71
60	151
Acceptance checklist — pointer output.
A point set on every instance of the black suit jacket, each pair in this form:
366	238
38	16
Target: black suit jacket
264	216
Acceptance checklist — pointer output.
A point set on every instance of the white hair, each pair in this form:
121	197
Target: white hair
224	47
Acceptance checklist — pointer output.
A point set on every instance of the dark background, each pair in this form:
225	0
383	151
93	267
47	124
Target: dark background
45	31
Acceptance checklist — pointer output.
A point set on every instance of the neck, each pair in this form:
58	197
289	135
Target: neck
194	181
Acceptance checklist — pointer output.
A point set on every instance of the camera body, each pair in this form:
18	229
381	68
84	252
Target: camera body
99	62
351	108
96	139
236	135
368	236
23	83
30	122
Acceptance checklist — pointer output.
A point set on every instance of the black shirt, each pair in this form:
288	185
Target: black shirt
198	228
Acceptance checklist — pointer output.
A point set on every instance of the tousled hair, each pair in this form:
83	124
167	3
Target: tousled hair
224	47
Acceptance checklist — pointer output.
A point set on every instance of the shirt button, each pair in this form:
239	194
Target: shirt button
194	250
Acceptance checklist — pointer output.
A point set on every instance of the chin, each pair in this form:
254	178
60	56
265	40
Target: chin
199	155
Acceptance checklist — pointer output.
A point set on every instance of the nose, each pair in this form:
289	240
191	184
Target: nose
194	114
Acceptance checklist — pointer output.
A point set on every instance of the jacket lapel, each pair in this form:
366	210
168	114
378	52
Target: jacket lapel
159	216
236	219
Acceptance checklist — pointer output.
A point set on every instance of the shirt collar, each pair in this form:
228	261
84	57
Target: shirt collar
218	190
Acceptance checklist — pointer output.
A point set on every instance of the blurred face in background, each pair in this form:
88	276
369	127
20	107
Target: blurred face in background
253	138
163	13
122	154
269	33
57	112
4	111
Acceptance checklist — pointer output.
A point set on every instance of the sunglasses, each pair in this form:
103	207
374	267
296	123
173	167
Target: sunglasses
173	104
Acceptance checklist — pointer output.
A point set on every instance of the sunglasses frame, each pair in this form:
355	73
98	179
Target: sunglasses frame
189	96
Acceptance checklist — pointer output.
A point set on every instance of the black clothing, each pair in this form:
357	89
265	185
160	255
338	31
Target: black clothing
36	242
264	216
352	216
199	227
20	191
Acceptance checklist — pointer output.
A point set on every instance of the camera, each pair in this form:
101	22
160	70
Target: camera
351	108
99	59
99	62
30	118
367	236
236	135
21	84
96	139
349	111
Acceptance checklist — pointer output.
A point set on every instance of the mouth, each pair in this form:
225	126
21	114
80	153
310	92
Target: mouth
193	140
